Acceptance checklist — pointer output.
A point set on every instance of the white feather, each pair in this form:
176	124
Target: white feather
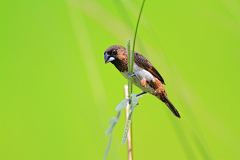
142	74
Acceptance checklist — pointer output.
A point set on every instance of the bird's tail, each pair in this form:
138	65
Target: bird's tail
171	107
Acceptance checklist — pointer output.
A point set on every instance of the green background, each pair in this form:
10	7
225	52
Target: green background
57	95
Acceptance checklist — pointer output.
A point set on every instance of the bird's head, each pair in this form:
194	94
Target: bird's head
115	53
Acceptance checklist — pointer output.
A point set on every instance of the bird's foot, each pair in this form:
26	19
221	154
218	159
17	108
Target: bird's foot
129	101
130	76
141	94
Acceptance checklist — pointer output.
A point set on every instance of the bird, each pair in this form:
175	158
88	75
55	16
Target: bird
145	76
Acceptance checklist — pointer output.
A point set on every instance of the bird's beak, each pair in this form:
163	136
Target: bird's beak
108	58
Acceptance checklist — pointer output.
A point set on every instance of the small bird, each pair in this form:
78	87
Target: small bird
145	76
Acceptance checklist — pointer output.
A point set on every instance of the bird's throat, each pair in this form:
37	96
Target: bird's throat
120	65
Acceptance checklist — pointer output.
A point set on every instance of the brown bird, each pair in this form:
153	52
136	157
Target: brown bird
145	76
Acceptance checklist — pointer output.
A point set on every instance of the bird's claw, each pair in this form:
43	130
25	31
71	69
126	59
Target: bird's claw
129	101
141	94
130	76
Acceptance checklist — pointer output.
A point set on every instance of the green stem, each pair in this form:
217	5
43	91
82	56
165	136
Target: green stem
130	67
136	31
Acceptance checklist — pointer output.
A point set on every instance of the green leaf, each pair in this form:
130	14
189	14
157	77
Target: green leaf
109	130
121	105
108	147
113	119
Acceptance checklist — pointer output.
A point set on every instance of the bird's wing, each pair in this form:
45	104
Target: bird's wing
142	62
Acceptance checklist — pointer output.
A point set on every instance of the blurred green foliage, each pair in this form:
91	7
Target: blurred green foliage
57	95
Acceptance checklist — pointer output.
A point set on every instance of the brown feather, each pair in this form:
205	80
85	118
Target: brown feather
121	58
161	94
142	62
156	85
121	61
144	82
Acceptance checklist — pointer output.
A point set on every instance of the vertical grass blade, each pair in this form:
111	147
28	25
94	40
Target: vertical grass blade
135	35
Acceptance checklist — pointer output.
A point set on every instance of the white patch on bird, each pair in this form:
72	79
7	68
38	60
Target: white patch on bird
142	74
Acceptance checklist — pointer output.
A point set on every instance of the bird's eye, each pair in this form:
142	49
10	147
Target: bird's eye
114	51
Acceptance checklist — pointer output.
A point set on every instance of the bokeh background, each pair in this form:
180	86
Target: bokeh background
57	95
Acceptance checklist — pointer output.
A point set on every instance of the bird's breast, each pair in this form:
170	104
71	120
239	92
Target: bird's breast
142	74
